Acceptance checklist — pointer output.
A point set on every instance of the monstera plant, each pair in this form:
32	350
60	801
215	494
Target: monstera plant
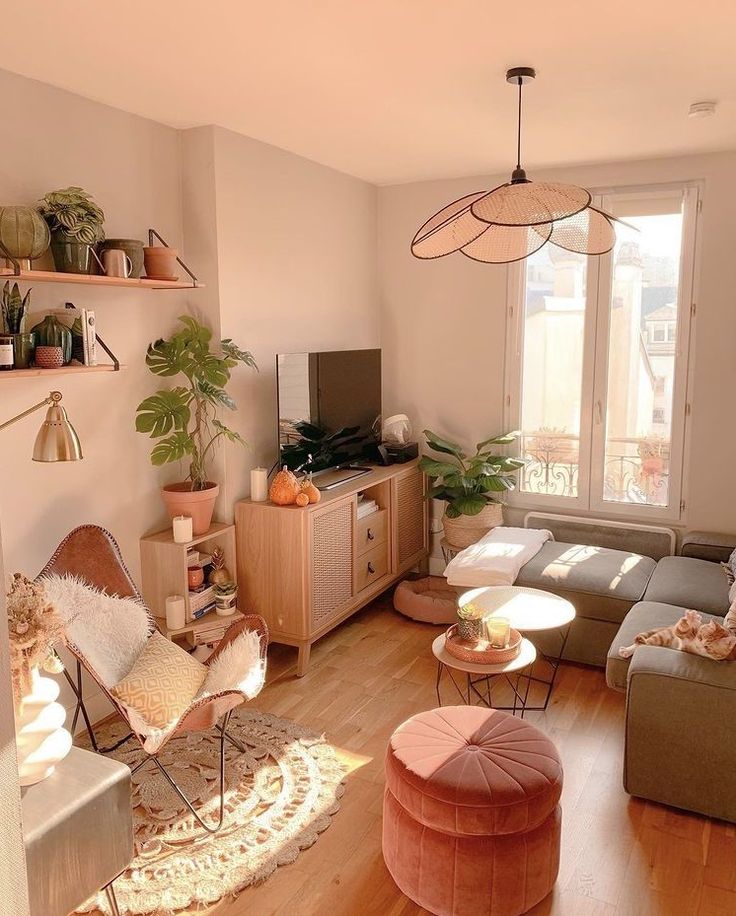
184	418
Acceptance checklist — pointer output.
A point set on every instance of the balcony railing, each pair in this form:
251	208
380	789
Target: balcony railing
636	470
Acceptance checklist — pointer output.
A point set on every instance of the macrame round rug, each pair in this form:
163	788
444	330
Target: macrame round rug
280	795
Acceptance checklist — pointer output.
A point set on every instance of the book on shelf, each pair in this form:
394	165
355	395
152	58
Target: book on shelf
367	507
89	337
200	599
197	615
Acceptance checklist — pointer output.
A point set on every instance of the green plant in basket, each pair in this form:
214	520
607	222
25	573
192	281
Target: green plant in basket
469	483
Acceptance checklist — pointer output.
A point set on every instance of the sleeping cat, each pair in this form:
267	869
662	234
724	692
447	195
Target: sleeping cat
690	634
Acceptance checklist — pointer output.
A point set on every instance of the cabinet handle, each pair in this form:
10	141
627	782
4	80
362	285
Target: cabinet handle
371	568
371	535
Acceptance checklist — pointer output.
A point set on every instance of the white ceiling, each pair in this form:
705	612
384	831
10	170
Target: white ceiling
400	90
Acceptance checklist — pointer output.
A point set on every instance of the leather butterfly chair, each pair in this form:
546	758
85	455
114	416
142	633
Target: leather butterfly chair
92	554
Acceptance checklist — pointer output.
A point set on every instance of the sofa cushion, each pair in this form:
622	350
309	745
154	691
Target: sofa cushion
646	615
601	583
689	583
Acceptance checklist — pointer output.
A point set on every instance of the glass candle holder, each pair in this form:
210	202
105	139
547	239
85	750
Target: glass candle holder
498	630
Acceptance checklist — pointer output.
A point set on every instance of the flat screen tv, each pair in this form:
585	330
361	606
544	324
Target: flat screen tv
329	408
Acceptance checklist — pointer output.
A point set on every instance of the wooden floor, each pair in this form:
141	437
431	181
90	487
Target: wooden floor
620	856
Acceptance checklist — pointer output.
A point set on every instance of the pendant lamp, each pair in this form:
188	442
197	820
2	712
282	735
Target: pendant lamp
517	218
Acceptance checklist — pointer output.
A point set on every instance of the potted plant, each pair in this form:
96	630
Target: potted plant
226	594
470	486
184	418
75	222
317	448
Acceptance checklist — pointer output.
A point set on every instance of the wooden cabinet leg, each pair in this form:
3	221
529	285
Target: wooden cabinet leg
302	662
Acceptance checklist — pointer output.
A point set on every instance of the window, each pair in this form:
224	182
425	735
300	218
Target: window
597	356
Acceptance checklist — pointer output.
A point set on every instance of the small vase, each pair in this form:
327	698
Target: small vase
469	629
70	256
24	347
225	605
195	576
40	737
52	333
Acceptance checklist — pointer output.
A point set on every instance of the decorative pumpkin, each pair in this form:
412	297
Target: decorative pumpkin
23	232
302	500
309	489
284	488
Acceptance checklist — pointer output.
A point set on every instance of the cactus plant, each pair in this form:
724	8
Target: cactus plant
14	307
72	213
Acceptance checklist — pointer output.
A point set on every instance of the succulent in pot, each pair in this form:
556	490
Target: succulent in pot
470	485
469	621
184	418
75	221
226	594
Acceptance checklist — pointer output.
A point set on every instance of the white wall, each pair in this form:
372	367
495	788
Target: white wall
297	263
443	322
286	248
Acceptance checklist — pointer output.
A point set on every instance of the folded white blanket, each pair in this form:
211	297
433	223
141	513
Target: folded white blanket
497	557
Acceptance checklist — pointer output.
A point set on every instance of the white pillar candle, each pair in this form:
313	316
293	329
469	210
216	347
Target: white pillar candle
259	485
182	529
175	618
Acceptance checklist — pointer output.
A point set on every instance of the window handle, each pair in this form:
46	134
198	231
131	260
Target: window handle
598	413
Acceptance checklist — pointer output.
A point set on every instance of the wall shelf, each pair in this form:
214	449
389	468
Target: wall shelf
64	370
53	276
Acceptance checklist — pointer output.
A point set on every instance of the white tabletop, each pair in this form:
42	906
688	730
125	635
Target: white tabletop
526	657
527	609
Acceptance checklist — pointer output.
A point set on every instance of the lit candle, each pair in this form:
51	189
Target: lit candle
498	630
182	529
175	612
259	485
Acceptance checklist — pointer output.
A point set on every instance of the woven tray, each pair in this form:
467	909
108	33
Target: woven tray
481	652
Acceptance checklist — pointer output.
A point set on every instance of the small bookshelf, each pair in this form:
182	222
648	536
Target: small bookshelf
164	572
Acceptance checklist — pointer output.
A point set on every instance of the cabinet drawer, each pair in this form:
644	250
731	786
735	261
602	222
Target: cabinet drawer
370	567
371	531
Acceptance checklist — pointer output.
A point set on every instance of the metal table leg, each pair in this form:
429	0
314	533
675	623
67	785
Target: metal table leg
554	663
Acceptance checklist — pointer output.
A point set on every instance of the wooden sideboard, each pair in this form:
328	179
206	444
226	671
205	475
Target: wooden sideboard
307	570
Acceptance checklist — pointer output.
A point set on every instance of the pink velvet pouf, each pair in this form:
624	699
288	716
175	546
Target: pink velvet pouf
471	815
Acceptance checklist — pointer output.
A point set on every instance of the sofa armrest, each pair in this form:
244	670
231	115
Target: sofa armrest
657	661
680	751
708	545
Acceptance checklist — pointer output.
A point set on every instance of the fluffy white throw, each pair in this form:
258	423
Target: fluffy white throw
497	557
109	631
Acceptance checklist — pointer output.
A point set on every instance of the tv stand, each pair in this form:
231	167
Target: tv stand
306	570
334	477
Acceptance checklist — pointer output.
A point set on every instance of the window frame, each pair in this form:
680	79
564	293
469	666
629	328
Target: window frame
595	369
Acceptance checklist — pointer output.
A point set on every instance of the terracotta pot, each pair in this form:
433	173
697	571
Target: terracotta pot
161	262
469	529
195	576
180	499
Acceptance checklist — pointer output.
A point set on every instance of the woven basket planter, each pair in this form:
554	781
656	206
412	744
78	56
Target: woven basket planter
466	530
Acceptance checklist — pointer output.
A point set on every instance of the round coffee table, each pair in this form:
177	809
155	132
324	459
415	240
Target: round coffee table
483	675
529	610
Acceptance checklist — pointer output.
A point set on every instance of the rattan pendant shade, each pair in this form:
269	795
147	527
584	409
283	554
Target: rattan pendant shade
516	219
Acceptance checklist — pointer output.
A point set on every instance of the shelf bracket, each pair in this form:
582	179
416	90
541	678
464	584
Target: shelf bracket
153	235
115	360
9	257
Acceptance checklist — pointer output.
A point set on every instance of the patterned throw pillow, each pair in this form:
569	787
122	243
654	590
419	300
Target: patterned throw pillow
162	683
